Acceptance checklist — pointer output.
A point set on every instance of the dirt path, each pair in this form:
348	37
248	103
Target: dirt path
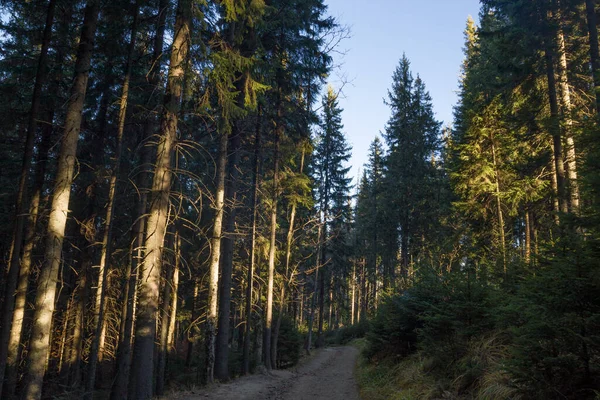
327	376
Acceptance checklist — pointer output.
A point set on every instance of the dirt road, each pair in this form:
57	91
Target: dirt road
330	377
327	376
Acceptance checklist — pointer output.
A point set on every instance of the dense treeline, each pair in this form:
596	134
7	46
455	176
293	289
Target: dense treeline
174	194
496	290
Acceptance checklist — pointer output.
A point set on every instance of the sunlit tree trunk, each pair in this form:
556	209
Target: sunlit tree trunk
16	329
150	269
223	332
570	153
499	211
21	200
273	240
555	128
527	237
46	291
175	297
215	254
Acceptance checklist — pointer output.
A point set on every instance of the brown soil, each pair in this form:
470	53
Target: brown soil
327	375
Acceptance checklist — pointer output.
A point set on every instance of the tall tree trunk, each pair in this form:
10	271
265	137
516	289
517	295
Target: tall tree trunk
594	51
252	255
123	359
353	301
150	273
21	200
99	308
46	291
222	340
555	128
499	212
318	266
322	266
273	239
14	344
215	254
571	156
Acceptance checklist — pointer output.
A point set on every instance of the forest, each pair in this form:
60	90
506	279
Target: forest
177	206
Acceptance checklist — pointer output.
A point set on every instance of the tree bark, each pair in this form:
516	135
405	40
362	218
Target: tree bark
499	212
273	240
211	314
527	237
21	200
173	313
151	266
222	340
318	266
46	291
555	127
570	153
252	255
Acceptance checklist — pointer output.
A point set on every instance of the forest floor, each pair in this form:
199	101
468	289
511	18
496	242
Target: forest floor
328	374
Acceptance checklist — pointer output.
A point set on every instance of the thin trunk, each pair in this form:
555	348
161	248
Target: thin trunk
319	341
222	340
527	237
64	335
173	313
499	210
46	291
195	316
330	311
571	156
21	201
554	185
252	256
150	273
99	309
272	242
215	254
311	317
555	129
75	356
287	278
353	283
594	51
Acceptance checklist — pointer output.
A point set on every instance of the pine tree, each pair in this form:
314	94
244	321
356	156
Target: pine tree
332	194
412	138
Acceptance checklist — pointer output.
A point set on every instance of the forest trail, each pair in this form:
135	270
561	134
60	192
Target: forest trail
328	375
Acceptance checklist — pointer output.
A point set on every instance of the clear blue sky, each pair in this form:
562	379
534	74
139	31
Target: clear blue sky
430	32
